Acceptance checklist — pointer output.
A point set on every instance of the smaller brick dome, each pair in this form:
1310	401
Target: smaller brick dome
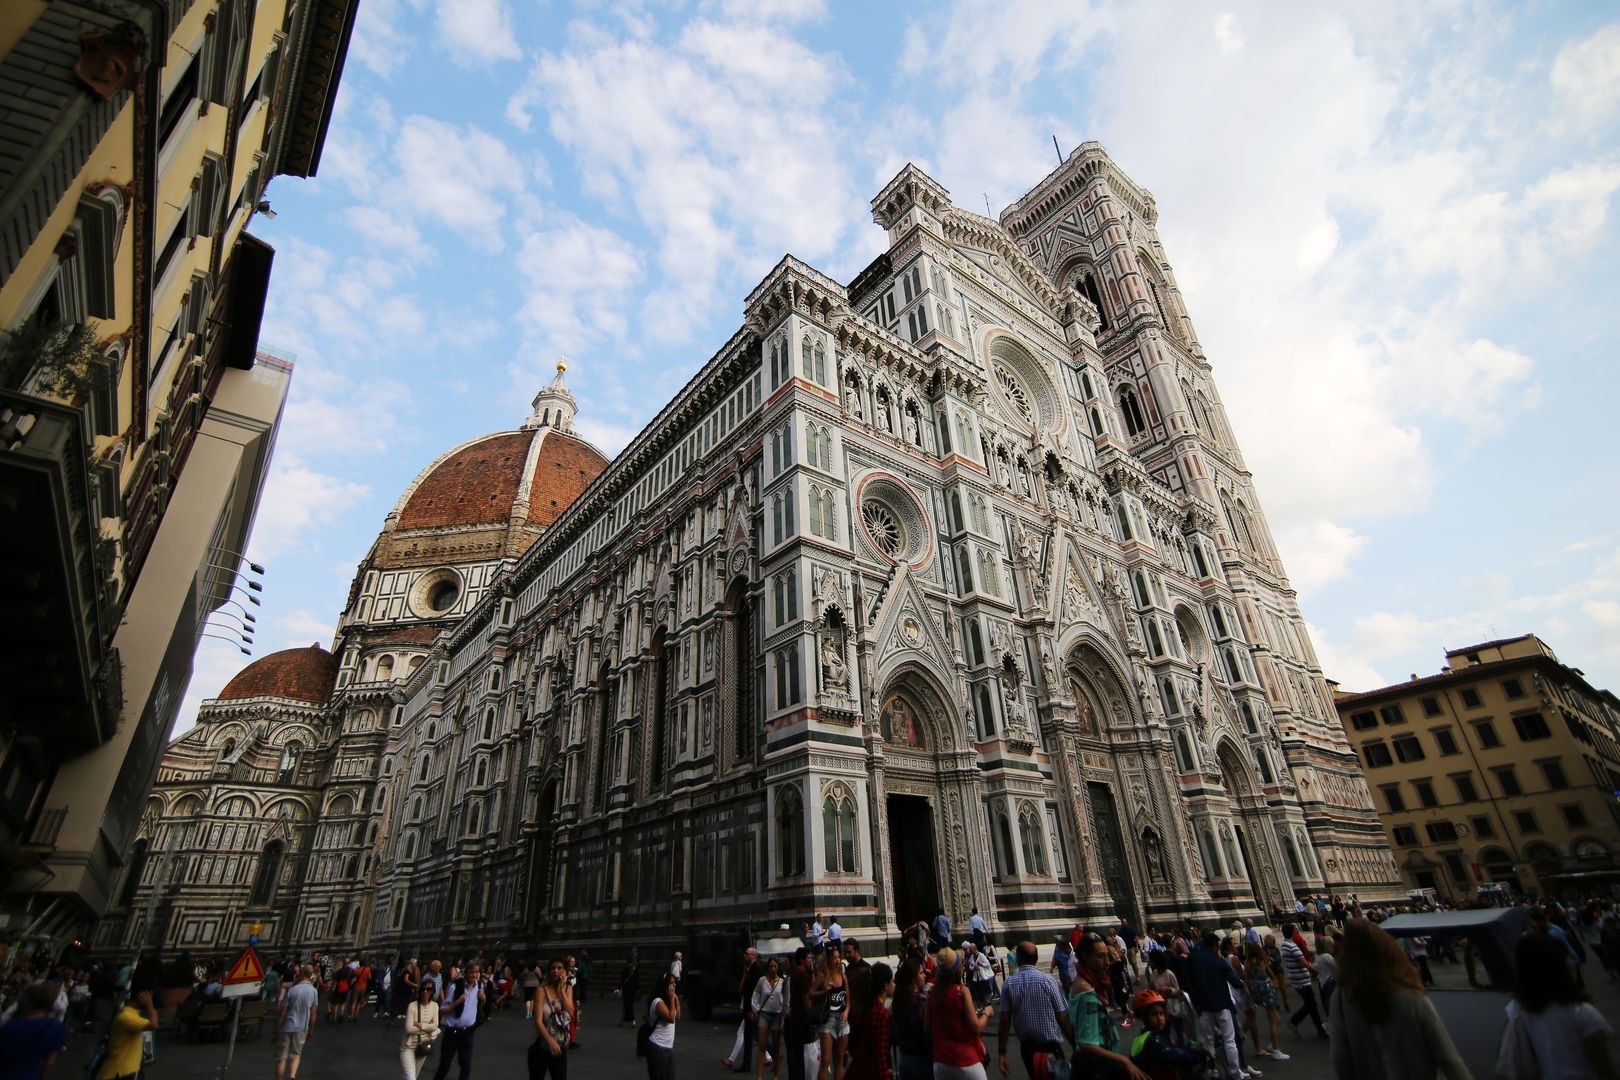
296	674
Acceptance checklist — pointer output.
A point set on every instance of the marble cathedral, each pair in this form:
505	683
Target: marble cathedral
946	587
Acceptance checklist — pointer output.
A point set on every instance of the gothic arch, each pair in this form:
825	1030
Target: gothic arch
915	679
1098	660
1241	783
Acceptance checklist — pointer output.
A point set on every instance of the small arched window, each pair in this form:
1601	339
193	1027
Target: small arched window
1032	840
385	668
472	820
422	773
789	833
268	873
1003	843
489	724
1130	409
289	762
482	773
987	717
839	824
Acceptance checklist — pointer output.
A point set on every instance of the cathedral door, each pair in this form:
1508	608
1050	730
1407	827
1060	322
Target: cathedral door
912	871
1116	870
1261	900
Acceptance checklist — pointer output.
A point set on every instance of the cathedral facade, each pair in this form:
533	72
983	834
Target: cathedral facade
945	588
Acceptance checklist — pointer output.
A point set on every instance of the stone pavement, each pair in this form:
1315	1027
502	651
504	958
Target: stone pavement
365	1049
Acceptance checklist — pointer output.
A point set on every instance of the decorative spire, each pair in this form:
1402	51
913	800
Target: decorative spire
554	406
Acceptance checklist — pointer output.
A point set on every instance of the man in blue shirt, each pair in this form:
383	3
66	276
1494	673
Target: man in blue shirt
464	1000
1034	1007
1208	982
977	927
1063	962
940	935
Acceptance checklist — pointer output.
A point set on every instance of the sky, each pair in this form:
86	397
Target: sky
1393	223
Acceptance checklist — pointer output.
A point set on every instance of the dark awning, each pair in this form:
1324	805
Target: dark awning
250	282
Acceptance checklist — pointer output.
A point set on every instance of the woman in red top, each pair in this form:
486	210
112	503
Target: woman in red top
957	1026
869	1041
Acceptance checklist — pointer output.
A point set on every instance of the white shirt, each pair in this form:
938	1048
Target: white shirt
976	923
675	969
1557	1035
817	934
663	1032
835	932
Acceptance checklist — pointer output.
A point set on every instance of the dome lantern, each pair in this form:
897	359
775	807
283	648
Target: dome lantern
554	405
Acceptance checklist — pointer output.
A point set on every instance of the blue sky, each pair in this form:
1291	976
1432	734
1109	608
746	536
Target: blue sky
1394	225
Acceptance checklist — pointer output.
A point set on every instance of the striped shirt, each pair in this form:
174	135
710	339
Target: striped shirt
1294	965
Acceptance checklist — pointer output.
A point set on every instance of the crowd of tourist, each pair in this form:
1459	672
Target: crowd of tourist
1109	1001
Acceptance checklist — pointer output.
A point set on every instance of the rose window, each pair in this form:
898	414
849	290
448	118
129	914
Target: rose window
1015	393
885	529
894	522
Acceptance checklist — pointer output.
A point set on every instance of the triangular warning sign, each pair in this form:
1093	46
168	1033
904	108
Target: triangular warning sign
247	969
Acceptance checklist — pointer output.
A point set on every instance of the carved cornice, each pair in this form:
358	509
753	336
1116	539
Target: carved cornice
965	227
1087	162
910	187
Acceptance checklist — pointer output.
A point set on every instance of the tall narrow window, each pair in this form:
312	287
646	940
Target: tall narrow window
1131	410
838	822
264	880
1030	836
789	833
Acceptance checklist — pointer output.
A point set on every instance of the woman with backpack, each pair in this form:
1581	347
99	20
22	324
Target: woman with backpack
659	1045
553	1011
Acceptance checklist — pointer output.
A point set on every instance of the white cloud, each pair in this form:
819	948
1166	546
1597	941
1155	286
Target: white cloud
457	175
389	231
1586	76
579	279
297	500
477	31
378	41
1605	613
722	140
1319	554
302	627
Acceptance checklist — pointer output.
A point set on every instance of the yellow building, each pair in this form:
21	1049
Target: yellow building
136	414
1504	767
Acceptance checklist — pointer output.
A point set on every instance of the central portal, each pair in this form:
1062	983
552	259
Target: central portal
912	873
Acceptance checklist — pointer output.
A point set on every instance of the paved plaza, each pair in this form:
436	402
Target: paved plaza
607	1050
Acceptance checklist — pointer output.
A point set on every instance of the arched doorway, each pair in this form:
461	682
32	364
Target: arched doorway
911	799
929	757
1248	810
1098	700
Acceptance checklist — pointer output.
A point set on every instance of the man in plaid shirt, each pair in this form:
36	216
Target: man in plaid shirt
1033	1006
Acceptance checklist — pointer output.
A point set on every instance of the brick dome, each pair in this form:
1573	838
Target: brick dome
295	674
489	482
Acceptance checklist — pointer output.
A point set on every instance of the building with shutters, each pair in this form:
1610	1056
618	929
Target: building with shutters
1504	767
946	587
137	410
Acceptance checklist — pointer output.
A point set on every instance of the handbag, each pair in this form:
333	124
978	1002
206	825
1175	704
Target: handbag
644	1032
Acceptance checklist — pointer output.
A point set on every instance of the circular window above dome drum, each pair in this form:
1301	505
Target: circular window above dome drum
436	593
894	522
